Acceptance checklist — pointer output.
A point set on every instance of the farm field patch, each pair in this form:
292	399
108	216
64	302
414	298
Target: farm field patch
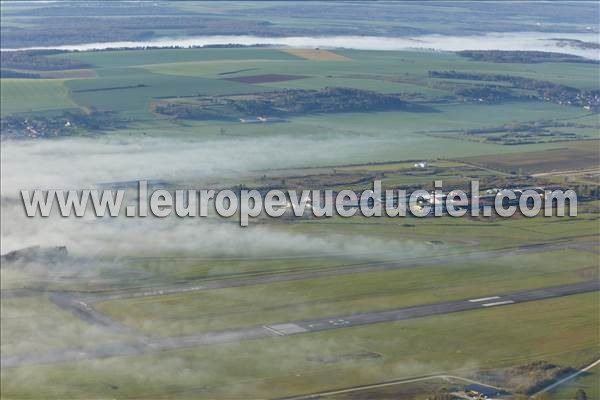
34	95
265	78
316	54
571	157
112	59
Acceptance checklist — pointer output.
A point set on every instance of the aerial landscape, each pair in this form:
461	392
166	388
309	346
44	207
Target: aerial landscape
154	99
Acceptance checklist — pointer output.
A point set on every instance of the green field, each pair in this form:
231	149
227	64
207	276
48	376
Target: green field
34	324
385	72
131	90
457	344
274	303
111	59
134	80
34	95
405	64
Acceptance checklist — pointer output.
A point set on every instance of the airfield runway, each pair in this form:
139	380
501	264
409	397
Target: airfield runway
81	305
139	345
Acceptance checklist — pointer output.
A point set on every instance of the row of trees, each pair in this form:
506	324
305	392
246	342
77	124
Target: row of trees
522	57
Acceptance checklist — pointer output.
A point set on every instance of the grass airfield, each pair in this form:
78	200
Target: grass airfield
455	344
562	331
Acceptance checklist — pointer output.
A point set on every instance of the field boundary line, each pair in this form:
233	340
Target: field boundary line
385	384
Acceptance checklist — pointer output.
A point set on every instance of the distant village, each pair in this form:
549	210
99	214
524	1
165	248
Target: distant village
65	124
539	90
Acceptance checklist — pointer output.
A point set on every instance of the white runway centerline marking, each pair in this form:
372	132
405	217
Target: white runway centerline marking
484	299
498	303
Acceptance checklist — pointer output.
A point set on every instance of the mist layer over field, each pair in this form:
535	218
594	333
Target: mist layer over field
77	163
492	41
83	163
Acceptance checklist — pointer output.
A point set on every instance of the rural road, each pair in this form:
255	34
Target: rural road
567	378
571	172
139	345
384	384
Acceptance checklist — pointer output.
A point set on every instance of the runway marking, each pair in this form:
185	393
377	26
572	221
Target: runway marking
484	299
285	329
497	303
338	322
276	332
83	304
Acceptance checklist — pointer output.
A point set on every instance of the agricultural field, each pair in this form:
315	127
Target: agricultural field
32	96
135	81
573	157
342	308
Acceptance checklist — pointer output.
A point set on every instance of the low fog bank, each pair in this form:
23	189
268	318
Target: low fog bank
538	41
84	163
81	163
148	237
